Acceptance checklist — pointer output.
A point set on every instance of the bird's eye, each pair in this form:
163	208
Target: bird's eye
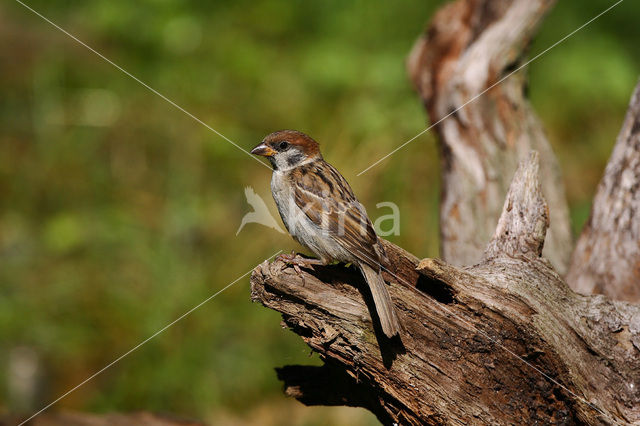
283	145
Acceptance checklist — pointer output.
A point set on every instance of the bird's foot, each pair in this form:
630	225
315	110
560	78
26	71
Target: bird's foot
297	261
287	258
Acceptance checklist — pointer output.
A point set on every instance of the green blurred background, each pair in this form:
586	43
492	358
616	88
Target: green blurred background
118	212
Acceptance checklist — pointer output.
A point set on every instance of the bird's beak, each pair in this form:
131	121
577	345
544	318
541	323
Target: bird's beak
264	150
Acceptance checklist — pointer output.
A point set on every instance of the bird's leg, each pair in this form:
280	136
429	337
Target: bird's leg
297	261
286	257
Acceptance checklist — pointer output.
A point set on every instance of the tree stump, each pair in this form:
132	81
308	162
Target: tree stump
492	333
494	343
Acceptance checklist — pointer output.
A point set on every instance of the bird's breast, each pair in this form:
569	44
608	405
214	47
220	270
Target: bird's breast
283	196
299	225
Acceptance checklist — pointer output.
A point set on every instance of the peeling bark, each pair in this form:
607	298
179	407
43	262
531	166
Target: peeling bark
607	256
470	46
495	343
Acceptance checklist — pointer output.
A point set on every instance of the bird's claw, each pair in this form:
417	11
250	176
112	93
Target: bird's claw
296	261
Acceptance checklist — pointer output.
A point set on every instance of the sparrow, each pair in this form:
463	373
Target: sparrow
320	211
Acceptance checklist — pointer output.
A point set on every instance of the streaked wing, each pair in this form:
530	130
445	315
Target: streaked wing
328	201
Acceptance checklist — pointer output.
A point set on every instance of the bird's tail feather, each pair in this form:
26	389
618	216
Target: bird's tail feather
382	300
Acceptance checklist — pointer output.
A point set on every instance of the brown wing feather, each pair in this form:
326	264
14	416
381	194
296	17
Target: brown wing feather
328	201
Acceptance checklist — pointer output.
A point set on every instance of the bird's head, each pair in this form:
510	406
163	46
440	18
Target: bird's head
288	149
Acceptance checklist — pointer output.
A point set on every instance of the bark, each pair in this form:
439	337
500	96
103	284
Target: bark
607	256
504	341
495	343
470	46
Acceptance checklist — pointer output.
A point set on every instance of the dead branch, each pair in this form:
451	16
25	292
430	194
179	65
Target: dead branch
469	47
607	256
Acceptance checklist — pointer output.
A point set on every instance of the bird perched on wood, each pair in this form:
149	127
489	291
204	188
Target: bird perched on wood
321	212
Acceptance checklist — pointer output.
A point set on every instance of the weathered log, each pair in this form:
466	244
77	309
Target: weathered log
607	256
470	47
506	340
500	342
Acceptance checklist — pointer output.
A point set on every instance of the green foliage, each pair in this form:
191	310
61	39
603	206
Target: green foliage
118	212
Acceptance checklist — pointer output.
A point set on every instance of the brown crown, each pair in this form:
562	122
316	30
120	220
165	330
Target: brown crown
294	137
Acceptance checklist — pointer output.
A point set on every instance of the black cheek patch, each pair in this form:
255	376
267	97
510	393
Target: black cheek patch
294	159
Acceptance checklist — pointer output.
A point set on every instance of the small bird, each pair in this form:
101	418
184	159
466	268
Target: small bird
320	211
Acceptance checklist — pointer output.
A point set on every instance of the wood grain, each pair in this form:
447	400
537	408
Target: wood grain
607	256
470	46
495	343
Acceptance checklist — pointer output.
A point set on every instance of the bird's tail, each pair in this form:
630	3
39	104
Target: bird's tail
382	300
